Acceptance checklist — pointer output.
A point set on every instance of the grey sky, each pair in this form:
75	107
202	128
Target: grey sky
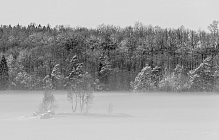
193	14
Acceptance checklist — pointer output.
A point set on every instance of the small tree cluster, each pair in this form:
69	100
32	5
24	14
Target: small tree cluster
80	86
204	78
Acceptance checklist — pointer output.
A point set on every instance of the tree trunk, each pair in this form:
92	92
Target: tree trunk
76	103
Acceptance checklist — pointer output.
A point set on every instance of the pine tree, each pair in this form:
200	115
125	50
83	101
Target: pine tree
4	76
202	78
144	81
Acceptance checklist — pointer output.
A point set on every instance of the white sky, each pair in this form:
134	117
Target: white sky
193	14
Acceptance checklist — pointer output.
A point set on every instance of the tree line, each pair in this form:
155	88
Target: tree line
115	58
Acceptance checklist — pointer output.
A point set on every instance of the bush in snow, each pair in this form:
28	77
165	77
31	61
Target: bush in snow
110	108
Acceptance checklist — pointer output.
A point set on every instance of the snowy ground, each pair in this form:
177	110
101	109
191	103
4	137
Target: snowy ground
157	116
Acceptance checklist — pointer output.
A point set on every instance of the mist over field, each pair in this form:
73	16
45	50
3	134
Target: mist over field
159	116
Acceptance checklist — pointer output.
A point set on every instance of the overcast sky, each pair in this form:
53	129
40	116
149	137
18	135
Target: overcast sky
193	14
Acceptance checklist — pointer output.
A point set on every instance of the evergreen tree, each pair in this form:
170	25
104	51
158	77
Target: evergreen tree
4	76
143	81
202	78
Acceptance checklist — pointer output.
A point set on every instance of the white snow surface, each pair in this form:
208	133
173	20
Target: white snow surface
135	116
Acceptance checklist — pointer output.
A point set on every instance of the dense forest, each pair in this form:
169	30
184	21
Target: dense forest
110	58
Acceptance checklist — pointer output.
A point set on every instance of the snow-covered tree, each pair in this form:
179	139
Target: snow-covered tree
203	77
143	80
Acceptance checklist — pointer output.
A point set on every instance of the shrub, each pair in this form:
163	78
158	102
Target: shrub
48	103
110	108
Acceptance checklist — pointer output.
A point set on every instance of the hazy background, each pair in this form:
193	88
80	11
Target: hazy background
193	14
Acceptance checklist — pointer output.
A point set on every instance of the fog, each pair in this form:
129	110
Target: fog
140	116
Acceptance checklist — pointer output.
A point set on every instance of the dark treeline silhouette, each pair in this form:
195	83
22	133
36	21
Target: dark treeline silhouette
113	56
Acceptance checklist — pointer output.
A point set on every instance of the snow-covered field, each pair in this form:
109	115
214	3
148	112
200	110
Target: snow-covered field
156	116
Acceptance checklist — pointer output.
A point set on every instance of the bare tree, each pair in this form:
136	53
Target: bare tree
79	83
72	97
